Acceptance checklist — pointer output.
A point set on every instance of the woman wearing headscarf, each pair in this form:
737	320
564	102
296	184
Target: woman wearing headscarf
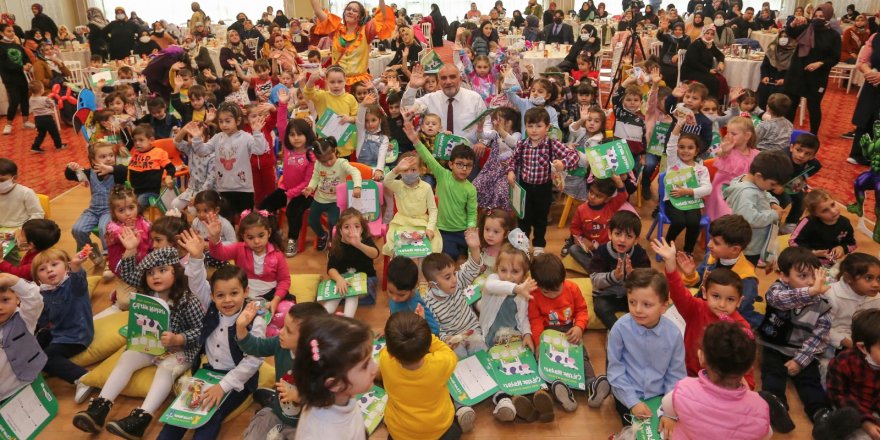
280	53
281	20
157	70
133	17
699	62
587	11
234	50
723	33
818	50
298	36
694	28
531	31
351	35
518	20
48	68
854	37
43	22
650	16
440	25
673	42
198	16
97	35
868	105
601	13
200	57
851	14
121	35
775	66
145	45
406	52
588	41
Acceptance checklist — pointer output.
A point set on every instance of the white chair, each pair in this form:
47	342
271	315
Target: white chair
843	71
77	74
426	31
681	53
655	47
802	107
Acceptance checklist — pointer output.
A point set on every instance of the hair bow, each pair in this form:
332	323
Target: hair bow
316	352
262	212
519	240
746	330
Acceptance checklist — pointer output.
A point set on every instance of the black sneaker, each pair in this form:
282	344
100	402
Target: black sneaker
322	242
599	389
568	243
265	397
131	427
849	135
92	419
839	424
780	421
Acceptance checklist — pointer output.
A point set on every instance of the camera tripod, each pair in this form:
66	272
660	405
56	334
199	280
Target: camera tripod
629	48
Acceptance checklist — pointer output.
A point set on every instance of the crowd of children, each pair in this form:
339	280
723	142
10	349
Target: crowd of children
384	168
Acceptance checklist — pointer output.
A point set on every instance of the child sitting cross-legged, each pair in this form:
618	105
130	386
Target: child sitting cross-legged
645	350
557	304
722	294
415	366
589	227
794	334
829	235
284	406
403	275
351	251
717	404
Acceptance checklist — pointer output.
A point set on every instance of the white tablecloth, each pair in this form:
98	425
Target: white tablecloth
214	52
537	60
742	73
764	38
83	56
510	39
378	64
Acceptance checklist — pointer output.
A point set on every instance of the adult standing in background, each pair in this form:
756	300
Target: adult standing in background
588	42
281	20
548	14
97	36
473	12
133	17
440	25
43	22
499	6
699	62
198	16
868	104
533	8
238	25
817	52
121	35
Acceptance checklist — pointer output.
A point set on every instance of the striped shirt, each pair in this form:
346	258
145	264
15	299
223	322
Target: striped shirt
452	311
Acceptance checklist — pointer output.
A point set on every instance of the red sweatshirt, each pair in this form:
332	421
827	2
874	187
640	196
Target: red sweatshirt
567	308
697	317
592	224
23	270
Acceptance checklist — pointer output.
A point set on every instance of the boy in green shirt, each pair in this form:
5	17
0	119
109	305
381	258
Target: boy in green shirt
457	196
281	407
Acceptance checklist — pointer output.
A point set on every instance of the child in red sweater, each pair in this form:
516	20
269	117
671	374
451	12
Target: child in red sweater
589	227
35	236
723	294
558	304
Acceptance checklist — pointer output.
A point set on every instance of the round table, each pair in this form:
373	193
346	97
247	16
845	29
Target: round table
536	59
764	38
83	56
742	73
379	62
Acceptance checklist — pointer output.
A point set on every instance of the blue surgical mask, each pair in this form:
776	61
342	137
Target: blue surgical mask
410	178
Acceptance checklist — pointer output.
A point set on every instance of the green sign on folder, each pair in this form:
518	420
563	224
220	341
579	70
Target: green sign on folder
28	411
518	199
444	143
372	404
659	137
148	317
357	286
332	124
368	202
186	411
431	62
560	360
682	178
611	158
471	383
649	429
515	369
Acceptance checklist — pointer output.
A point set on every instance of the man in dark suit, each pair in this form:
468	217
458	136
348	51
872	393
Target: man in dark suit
558	32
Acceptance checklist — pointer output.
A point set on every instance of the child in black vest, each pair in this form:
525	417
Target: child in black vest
21	359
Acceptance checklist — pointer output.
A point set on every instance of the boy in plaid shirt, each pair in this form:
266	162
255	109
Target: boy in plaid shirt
533	164
794	333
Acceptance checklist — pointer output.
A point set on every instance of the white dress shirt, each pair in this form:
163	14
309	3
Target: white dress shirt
220	356
467	105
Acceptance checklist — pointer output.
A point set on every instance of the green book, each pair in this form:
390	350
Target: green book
685	177
28	411
444	143
611	158
471	382
166	196
412	244
515	369
393	151
368	202
430	61
659	137
332	124
473	293
518	199
186	411
378	345
649	429
148	317
560	360
372	404
357	286
478	118
579	171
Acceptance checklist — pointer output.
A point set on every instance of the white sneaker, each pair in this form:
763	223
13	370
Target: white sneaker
29	125
537	251
292	249
849	160
466	418
7	129
504	411
787	228
82	392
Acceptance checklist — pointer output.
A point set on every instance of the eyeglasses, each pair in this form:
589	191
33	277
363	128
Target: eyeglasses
463	165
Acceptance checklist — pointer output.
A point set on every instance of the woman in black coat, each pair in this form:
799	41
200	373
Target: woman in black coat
868	105
699	61
818	50
43	22
121	35
775	66
672	43
588	41
440	25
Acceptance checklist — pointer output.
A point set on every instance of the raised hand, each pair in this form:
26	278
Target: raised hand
192	242
257	125
685	263
212	223
665	250
819	287
247	315
130	240
417	77
525	288
283	95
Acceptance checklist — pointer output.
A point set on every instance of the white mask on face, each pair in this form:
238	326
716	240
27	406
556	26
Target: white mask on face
120	16
190	45
144	39
871	362
410	178
585	37
719	22
6	186
537	100
783	41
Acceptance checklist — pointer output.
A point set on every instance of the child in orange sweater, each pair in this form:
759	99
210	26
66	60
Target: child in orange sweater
558	304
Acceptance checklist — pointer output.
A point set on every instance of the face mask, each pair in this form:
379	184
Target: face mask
783	41
190	45
818	22
144	39
537	100
557	20
712	118
410	178
585	37
120	16
719	22
6	186
871	362
728	261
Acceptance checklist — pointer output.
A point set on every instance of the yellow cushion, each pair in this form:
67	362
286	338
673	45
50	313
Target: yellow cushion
93	283
304	286
571	264
107	339
138	386
266	380
586	287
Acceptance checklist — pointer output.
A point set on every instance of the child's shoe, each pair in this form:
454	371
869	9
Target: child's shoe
322	242
7	130
92	419
37	150
29	125
63	146
564	395
837	424
543	404
568	243
265	397
504	409
525	409
787	228
97	259
537	251
82	392
466	417
780	421
131	427
291	248
599	389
